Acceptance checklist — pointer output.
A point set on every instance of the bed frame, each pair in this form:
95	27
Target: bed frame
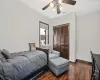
42	69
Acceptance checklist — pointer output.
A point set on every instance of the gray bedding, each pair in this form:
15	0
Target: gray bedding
22	65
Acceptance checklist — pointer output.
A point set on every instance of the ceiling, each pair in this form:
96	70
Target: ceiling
81	7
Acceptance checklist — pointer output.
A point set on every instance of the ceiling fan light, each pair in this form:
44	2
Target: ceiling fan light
60	1
51	4
60	7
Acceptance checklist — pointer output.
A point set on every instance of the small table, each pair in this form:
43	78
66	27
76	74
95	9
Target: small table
97	59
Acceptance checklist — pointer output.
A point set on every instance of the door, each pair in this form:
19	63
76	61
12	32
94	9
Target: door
57	39
65	42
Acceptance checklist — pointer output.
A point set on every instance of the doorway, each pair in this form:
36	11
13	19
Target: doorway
61	40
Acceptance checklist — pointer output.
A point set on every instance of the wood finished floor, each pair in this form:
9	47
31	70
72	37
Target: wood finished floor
79	71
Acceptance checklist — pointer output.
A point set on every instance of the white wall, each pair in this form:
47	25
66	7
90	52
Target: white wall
70	18
87	35
19	25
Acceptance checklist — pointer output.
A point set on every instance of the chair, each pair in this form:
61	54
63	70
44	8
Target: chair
52	53
94	68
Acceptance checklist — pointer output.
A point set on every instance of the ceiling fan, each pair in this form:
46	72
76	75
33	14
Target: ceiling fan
56	4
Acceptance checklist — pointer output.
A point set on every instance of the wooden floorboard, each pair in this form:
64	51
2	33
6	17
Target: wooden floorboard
79	71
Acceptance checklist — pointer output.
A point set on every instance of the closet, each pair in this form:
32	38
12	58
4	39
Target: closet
61	40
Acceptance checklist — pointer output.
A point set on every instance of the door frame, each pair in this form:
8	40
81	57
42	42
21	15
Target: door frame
68	24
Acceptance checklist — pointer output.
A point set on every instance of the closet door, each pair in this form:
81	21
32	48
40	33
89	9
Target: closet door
55	39
62	49
64	42
56	44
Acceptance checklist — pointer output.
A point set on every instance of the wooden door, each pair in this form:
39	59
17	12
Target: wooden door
57	39
61	40
64	42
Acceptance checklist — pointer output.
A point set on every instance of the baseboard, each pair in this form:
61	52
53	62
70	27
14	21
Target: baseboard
82	61
72	62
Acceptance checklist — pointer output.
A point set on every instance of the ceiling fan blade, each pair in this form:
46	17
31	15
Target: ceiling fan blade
46	6
71	2
58	9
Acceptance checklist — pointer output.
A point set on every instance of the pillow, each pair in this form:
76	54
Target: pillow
2	58
50	49
6	54
32	46
47	47
53	56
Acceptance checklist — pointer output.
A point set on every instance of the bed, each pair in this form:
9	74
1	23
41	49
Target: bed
24	65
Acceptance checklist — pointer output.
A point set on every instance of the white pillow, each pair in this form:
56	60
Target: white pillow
50	49
47	47
32	46
53	56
